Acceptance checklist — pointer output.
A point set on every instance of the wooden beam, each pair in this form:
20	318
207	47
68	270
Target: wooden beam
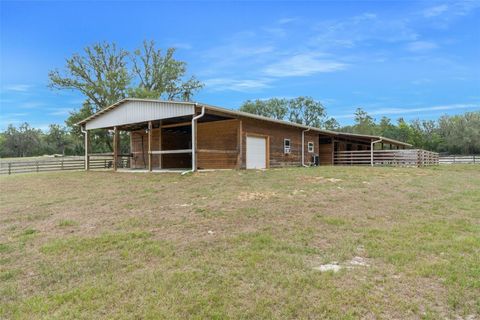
180	124
87	158
194	145
333	151
268	153
150	127
218	151
115	147
171	151
240	145
160	144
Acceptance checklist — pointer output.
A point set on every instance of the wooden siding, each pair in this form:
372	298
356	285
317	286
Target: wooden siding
175	140
276	134
218	144
170	141
326	150
222	145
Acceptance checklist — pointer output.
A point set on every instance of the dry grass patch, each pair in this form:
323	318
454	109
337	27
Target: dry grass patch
242	244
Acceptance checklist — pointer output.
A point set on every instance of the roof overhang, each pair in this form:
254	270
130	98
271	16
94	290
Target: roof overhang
133	110
129	111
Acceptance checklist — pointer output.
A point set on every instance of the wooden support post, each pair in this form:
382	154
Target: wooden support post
194	145
239	146
160	145
333	151
115	148
149	145
87	158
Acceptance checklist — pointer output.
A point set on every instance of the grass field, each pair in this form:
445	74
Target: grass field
242	244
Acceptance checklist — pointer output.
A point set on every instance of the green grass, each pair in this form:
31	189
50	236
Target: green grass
241	244
67	223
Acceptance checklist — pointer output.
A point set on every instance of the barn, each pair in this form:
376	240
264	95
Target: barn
167	135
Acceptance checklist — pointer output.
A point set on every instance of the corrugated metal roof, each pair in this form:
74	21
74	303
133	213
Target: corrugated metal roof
132	118
138	111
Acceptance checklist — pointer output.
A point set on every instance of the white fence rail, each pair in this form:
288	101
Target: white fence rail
459	159
403	157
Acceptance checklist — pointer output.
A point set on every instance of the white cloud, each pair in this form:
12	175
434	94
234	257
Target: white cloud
418	46
442	15
362	29
423	109
435	11
11	118
18	87
302	65
286	20
31	105
421	81
60	112
401	111
245	85
181	45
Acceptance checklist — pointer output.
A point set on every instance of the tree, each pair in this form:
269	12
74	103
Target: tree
100	140
101	75
301	110
305	110
386	128
332	124
57	139
273	108
22	142
461	133
105	74
364	123
161	76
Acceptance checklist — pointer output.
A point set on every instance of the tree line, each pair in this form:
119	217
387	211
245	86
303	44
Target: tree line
104	74
458	134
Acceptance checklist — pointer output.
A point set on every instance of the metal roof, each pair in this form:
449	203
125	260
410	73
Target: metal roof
242	114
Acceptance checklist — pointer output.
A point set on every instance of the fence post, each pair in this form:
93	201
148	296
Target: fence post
9	168
473	159
36	163
62	165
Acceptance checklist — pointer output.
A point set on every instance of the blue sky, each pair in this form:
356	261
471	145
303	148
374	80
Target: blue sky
400	59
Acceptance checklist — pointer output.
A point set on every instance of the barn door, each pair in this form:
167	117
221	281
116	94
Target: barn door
256	152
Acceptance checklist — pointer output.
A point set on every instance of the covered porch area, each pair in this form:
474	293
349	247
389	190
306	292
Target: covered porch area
169	137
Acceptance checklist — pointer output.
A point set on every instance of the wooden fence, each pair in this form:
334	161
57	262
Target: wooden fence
459	159
60	164
403	157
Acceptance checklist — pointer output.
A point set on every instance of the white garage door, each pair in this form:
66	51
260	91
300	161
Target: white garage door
256	153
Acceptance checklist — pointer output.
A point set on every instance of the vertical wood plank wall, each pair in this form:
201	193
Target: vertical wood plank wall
277	133
218	144
326	151
222	145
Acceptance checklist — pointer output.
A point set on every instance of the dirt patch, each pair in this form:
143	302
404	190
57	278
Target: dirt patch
249	196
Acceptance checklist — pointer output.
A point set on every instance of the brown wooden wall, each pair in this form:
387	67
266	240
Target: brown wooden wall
170	141
140	160
218	144
276	134
326	150
222	145
175	140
